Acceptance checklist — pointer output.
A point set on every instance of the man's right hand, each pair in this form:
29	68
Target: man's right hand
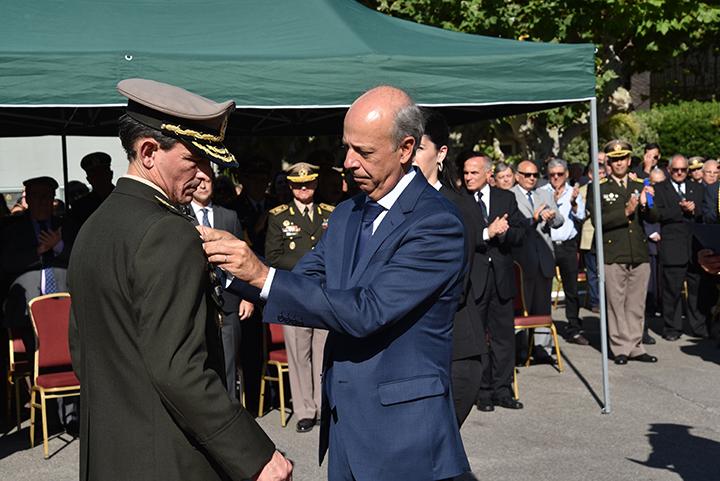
277	469
233	255
631	205
498	227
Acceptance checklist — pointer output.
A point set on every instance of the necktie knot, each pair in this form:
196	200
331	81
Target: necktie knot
371	211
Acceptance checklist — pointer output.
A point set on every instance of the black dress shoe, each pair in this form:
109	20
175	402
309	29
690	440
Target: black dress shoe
485	406
644	358
578	339
540	356
647	338
508	403
621	360
673	336
305	425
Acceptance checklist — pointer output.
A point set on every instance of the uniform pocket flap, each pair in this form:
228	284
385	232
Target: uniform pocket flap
411	389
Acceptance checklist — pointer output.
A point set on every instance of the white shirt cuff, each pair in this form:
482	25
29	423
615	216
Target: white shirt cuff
265	292
486	234
228	279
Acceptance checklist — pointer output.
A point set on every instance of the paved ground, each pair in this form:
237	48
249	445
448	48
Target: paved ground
664	425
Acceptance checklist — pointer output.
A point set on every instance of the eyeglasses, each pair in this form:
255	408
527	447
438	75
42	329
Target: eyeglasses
656	157
529	174
678	169
556	174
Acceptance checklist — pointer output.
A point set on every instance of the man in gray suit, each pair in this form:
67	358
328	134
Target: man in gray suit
536	256
233	308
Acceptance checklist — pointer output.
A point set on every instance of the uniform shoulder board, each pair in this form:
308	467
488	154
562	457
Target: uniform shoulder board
173	209
327	207
602	181
277	210
642	181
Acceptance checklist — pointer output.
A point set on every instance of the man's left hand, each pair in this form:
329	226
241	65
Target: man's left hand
233	255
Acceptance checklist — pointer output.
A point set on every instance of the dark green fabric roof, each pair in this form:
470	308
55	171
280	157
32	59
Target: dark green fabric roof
278	54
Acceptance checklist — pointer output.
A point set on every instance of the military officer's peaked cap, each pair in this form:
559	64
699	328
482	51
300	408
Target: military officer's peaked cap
94	160
695	163
617	149
175	112
44	180
302	172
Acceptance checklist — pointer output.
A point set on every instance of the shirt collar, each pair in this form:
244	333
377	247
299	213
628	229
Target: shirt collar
437	185
300	206
146	182
389	199
197	208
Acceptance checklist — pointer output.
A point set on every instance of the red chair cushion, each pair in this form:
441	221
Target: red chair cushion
57	379
531	321
279	355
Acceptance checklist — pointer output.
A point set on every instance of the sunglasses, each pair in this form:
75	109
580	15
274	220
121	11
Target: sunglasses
678	169
529	174
556	174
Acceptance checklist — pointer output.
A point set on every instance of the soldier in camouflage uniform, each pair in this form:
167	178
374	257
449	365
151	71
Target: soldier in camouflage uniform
293	230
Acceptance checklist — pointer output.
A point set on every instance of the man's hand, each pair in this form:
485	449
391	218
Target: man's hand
245	310
277	469
687	206
632	175
655	237
547	214
709	261
48	239
498	227
233	255
538	211
631	205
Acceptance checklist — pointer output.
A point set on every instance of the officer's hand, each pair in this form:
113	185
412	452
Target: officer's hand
632	175
498	227
277	469
234	256
245	310
631	205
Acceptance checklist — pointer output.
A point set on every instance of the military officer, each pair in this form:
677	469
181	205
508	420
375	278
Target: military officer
695	169
627	263
144	332
293	230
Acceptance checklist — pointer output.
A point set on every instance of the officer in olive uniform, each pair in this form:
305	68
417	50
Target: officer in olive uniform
144	334
293	230
695	172
627	262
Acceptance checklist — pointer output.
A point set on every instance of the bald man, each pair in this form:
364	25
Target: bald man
385	281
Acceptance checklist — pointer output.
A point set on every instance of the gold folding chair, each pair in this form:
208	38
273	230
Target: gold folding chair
274	354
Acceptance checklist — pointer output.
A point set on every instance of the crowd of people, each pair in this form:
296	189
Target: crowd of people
539	216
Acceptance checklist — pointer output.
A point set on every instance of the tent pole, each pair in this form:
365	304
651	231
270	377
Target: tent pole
65	169
600	254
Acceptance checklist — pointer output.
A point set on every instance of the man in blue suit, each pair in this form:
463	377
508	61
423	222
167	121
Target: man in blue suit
385	281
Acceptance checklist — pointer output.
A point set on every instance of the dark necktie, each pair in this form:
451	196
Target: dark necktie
50	282
371	211
680	190
532	204
205	217
483	209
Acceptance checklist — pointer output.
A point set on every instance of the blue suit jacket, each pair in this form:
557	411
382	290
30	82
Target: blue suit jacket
387	409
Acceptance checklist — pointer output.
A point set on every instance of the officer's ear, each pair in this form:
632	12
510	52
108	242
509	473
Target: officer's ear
147	149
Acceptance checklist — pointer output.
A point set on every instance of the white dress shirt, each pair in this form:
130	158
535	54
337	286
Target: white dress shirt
197	208
567	230
485	191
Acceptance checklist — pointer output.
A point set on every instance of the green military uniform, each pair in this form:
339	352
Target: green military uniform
290	235
144	334
293	230
627	267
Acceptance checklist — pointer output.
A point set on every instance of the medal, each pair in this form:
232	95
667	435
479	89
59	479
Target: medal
292	245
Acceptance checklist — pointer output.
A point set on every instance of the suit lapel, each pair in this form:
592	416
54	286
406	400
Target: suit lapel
395	216
352	227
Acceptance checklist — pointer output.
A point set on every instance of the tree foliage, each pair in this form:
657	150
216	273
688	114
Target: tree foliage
631	36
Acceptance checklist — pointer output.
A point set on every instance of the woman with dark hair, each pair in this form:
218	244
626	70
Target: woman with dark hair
469	344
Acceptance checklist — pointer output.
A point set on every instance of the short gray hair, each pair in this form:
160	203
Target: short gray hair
409	122
503	166
557	163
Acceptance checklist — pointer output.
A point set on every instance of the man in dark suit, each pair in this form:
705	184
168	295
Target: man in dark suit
679	205
99	175
233	308
501	226
470	350
144	334
385	281
711	203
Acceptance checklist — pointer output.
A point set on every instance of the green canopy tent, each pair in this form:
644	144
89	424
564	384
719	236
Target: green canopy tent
292	67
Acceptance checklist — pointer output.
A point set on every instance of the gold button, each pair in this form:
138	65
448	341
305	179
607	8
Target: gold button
312	237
